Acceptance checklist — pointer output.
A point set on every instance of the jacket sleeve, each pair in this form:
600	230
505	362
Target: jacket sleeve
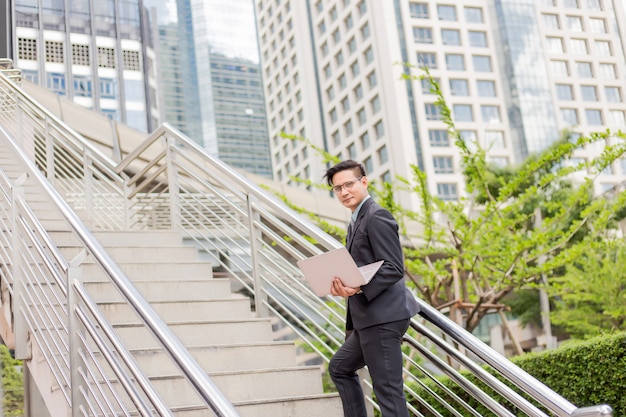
384	244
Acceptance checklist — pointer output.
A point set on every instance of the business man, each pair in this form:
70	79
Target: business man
378	313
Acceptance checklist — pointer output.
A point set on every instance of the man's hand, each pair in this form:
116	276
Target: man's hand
337	288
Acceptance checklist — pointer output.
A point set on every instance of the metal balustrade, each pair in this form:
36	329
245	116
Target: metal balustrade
169	182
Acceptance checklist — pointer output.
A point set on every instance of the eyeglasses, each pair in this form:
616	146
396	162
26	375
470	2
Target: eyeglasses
347	185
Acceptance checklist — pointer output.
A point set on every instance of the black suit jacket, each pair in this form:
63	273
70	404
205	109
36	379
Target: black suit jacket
386	298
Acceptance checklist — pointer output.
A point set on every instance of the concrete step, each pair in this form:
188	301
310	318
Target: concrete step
139	238
158	254
172	291
171	311
295	381
222	357
156	271
327	405
200	333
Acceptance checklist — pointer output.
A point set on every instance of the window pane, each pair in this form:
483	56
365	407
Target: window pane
490	114
455	62
551	21
559	68
443	165
463	113
481	63
418	10
474	15
422	35
486	88
588	93
594	117
584	69
450	37
564	92
459	87
477	39
569	117
426	59
438	138
446	13
613	94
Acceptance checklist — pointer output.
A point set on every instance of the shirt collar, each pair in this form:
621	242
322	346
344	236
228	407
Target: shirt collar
355	214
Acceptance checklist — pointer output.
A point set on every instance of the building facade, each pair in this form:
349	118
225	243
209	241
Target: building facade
98	54
515	73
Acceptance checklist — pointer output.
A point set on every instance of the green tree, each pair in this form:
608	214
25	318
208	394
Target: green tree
590	296
514	227
12	384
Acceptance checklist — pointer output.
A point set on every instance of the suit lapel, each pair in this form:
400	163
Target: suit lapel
352	228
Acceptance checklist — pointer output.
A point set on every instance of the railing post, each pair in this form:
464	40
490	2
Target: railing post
20	325
49	154
172	178
260	298
88	178
75	274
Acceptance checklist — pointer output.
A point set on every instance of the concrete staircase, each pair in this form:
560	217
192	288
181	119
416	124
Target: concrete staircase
258	375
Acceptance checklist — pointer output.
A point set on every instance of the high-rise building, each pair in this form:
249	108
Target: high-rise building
211	80
515	74
98	54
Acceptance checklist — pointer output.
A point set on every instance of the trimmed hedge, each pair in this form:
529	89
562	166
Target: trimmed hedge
586	373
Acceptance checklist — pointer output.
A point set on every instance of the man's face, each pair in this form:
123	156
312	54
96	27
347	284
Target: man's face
353	190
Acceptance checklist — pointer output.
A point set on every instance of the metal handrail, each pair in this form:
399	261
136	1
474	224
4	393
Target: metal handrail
202	384
180	172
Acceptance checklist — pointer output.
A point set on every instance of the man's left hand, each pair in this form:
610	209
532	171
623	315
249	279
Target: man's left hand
339	289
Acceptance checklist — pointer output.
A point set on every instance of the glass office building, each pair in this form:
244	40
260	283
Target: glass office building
516	74
98	54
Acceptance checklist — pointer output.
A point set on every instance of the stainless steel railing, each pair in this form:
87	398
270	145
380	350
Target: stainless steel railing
92	370
168	182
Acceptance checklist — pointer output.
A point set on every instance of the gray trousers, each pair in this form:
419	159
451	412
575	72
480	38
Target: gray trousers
378	347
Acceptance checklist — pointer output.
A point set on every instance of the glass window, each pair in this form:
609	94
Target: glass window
573	4
55	82
418	10
490	114
574	23
607	71
336	36
427	59
569	117
450	37
588	93
372	80
578	46
433	111
477	39
603	48
422	35
594	117
463	113
369	55
365	140
443	165
347	126
613	94
82	86
459	87
380	129
439	138
327	71
559	68
597	25
445	12
322	27
474	15
336	138
455	62
555	45
383	155
361	116
482	63
330	93
355	68
333	115
352	44
617	118
348	22
486	88
564	92
548	3
342	81
362	7
551	21
369	164
358	92
427	87
365	31
499	161
345	104
494	140
339	58
108	88
594	4
584	69
375	103
447	192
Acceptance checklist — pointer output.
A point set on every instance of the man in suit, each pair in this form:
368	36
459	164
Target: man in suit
378	313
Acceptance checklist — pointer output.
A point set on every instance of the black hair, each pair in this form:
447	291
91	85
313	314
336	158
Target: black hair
356	167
